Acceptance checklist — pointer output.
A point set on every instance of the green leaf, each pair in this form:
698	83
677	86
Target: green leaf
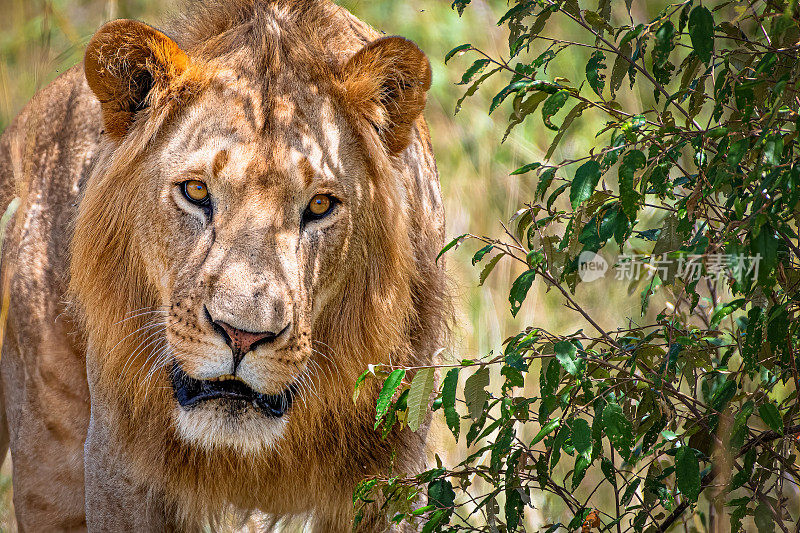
618	428
523	106
687	471
630	491
726	310
515	506
586	179
669	240
459	6
771	416
526	168
458	49
418	396
582	437
740	430
455	242
501	447
763	518
474	69
545	180
519	290
620	68
507	90
662	68
435	520
701	32
664	45
360	383
519	10
480	253
557	445
385	396
596	79
573	113
632	34
581	464
541	19
723	395
620	224
488	269
474	88
566	353
633	161
552	106
777	327
649	290
441	494
475	392
773	148
766	244
555	194
743	475
684	17
609	471
449	401
549	377
534	258
546	430
514	377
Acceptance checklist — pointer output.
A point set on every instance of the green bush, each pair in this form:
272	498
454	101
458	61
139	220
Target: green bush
688	412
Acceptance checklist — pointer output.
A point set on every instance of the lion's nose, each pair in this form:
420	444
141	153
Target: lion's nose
241	342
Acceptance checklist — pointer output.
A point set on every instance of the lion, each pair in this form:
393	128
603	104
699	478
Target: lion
220	228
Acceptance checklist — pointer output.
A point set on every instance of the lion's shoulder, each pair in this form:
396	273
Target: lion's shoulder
44	154
48	147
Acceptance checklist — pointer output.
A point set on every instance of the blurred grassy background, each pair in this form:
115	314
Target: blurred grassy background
41	38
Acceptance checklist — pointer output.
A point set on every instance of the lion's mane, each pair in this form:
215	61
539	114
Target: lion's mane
392	305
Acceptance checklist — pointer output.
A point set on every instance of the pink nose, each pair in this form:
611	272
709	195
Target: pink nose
241	342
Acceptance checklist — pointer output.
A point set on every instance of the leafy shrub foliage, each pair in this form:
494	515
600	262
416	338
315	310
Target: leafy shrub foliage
693	409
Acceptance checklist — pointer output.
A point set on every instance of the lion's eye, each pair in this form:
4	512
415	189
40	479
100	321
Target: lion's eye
319	206
196	192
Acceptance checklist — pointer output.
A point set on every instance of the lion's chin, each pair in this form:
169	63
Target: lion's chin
225	413
217	425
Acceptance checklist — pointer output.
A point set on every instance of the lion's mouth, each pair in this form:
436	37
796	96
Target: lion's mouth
190	391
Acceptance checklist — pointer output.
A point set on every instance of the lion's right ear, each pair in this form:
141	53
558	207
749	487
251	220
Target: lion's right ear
124	62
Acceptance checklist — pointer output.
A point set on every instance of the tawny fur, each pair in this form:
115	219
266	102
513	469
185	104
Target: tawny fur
310	77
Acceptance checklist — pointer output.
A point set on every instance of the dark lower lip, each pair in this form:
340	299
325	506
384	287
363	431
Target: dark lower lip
190	392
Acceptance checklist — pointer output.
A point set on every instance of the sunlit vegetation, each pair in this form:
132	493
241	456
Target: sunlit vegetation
681	414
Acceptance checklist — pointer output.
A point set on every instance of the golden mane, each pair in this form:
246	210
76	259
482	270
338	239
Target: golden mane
393	295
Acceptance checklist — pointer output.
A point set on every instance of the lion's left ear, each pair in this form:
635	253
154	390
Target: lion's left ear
387	81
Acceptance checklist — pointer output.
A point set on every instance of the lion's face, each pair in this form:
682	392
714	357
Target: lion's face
259	211
255	207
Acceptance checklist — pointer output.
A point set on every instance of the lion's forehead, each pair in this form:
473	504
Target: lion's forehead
275	132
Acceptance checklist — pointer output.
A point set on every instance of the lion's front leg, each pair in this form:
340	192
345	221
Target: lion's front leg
114	502
46	406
